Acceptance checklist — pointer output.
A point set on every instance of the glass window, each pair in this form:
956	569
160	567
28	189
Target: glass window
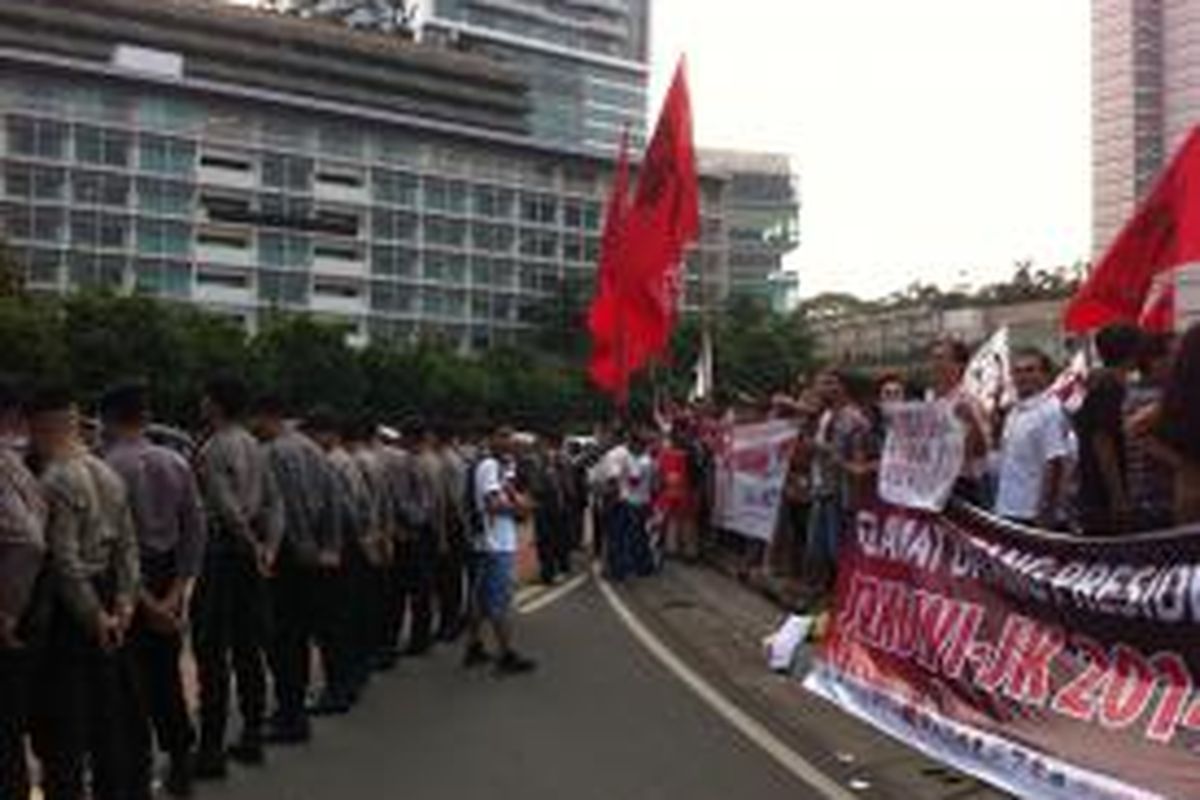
391	296
285	250
169	278
443	195
168	113
164	197
286	288
447	232
493	201
494	238
48	224
543	244
340	140
163	237
91	270
591	253
573	214
393	225
591	216
395	188
44	266
100	188
282	210
165	155
503	272
573	248
101	146
37	137
387	260
49	183
16	220
539	208
481	271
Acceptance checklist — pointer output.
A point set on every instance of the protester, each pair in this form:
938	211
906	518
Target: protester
230	608
676	498
841	430
632	469
500	506
1034	448
1179	426
949	360
23	595
1151	478
89	709
169	519
310	544
1104	507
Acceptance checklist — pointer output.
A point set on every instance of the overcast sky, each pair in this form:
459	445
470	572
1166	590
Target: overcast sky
934	139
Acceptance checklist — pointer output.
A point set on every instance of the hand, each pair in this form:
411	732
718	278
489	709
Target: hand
9	640
108	631
329	559
265	559
159	617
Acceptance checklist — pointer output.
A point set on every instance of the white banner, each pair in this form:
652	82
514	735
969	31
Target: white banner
989	377
750	470
922	455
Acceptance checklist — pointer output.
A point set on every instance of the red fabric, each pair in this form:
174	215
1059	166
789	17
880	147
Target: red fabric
675	496
634	312
603	316
1162	236
1159	314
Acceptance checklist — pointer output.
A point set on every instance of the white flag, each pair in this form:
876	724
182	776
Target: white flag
988	378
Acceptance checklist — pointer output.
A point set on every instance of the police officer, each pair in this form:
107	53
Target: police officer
89	709
230	607
169	520
310	544
22	548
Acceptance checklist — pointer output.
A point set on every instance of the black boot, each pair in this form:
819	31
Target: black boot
249	749
179	775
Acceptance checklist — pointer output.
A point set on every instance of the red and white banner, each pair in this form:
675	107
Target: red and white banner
750	468
1049	665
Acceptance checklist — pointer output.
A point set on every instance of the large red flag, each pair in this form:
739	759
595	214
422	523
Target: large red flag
634	312
604	321
1162	236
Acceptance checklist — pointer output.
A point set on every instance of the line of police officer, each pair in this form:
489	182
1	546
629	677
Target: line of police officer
269	540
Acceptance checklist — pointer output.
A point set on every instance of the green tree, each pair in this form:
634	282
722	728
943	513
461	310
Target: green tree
307	362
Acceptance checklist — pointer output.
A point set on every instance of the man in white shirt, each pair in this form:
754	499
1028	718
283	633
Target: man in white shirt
500	505
1035	447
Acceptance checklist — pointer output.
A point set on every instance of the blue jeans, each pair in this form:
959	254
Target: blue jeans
627	527
824	531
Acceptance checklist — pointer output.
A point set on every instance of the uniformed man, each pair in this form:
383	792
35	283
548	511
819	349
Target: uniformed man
169	520
89	708
378	539
22	548
452	560
338	622
424	504
310	544
230	607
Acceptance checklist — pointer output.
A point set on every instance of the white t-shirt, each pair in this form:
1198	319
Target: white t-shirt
500	529
1035	432
635	478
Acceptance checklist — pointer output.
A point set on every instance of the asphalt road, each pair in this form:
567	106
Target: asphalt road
600	719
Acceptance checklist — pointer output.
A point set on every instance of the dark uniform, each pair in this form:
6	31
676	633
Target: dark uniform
418	555
22	547
230	609
455	549
306	485
169	519
89	708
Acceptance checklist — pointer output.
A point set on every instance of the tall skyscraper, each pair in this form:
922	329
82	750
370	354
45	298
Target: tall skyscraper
587	61
1145	98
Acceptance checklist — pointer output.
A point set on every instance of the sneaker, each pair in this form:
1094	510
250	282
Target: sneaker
476	655
248	751
513	664
179	776
210	765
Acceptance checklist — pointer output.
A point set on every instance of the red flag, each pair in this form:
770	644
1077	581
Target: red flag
603	321
1158	315
1162	236
634	311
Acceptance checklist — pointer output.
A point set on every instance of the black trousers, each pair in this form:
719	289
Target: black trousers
157	657
294	614
451	587
17	670
231	617
89	711
417	561
551	539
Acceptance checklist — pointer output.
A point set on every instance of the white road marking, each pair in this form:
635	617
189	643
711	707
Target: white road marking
549	596
749	727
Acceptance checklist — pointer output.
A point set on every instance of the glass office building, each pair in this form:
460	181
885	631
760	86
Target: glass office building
410	201
587	61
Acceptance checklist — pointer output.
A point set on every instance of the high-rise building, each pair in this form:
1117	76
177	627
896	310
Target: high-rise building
762	217
249	163
587	61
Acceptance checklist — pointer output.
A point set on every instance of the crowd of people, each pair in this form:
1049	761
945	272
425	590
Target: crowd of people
276	538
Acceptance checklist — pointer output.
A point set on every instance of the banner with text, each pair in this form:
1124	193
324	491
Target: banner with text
922	455
1051	666
750	468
